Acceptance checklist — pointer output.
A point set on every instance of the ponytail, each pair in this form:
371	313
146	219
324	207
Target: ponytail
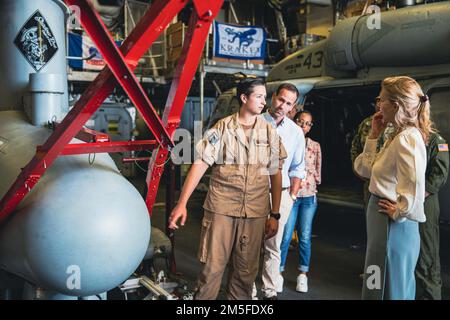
425	124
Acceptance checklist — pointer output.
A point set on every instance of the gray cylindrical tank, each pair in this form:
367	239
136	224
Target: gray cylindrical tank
33	41
82	230
46	92
412	36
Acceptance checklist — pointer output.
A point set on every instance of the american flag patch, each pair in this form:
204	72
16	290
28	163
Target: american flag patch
443	147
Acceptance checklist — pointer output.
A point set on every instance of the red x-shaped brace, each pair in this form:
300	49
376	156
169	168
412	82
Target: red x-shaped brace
120	65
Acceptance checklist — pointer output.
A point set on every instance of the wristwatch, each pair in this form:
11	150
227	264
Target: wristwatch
276	216
293	197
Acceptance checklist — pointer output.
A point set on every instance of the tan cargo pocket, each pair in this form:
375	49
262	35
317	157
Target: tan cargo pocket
204	240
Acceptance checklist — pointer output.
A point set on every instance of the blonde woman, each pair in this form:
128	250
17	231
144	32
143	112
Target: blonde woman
397	187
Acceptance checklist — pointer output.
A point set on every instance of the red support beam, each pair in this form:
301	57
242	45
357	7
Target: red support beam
206	8
123	62
94	26
108	147
89	135
146	32
194	43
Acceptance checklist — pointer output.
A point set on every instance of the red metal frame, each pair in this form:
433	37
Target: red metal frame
89	135
108	147
121	62
94	26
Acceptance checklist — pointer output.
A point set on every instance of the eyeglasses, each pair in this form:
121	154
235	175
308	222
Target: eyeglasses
380	99
306	123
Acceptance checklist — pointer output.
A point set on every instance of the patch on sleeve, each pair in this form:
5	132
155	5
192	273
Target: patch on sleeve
442	147
213	138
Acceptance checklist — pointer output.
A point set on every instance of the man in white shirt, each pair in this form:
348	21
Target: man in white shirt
292	137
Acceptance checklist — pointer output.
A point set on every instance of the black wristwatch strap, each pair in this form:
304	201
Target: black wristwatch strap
275	215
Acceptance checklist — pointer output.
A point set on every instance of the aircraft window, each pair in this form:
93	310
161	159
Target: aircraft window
234	105
225	106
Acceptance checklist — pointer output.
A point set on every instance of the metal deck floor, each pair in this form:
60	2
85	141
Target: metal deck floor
337	253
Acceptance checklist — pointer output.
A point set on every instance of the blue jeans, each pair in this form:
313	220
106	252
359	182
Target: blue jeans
301	218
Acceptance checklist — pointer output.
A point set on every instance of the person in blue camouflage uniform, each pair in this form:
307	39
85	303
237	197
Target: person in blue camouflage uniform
428	269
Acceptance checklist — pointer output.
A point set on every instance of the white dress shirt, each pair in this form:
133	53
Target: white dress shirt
397	172
293	141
